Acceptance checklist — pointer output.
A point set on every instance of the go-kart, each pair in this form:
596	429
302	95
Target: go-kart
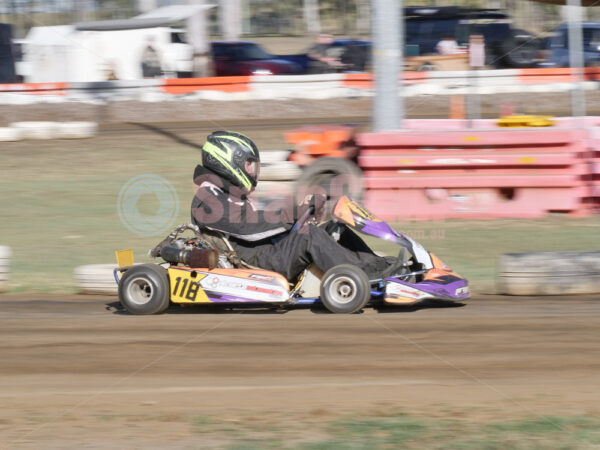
204	269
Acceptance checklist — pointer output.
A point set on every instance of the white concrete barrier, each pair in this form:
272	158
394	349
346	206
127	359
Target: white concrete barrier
549	273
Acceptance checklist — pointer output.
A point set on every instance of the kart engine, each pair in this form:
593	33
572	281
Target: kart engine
190	252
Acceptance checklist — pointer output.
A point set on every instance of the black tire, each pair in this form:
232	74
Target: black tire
427	67
336	176
345	289
144	289
520	50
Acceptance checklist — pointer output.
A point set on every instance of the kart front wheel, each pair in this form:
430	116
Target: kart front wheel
345	289
144	289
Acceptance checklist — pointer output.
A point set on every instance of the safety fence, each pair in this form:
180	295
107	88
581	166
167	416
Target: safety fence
258	87
477	173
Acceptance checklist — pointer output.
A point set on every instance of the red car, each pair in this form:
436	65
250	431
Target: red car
248	58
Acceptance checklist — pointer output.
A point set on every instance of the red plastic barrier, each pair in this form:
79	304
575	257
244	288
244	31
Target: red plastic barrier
474	173
595	179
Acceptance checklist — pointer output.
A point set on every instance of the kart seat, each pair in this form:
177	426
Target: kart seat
220	242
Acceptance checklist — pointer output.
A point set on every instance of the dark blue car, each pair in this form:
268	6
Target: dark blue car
556	48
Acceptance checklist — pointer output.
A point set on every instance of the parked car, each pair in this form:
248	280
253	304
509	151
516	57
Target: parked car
7	60
555	51
425	27
354	54
248	58
504	45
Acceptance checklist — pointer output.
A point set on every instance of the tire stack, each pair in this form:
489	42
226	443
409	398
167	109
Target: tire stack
76	130
549	273
36	130
5	255
277	175
96	279
8	134
48	130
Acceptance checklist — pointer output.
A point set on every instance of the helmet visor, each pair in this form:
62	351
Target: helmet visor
252	168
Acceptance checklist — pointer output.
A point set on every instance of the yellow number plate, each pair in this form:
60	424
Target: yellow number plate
124	257
185	287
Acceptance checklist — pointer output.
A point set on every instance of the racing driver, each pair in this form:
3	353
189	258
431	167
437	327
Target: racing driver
226	176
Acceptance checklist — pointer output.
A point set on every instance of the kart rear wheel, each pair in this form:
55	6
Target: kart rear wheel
331	176
345	289
144	289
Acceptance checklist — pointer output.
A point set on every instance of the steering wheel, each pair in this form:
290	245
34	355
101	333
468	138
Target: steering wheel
304	217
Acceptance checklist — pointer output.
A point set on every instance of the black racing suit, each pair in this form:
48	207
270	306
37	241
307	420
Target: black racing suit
264	239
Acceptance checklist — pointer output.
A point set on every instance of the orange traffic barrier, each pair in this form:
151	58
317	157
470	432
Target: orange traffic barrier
312	142
224	84
35	88
365	80
457	107
557	75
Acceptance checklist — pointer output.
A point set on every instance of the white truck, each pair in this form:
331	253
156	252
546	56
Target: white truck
110	50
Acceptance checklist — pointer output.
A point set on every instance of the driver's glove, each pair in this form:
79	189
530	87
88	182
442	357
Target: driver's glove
320	202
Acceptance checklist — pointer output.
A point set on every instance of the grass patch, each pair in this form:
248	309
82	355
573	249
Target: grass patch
202	423
361	431
581	429
545	424
379	432
59	208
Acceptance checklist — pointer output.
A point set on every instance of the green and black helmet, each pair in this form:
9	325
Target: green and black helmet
232	156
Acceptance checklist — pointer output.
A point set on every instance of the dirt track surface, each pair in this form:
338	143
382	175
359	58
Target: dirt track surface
76	371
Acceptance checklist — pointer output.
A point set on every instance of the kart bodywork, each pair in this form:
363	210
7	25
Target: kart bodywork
149	288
